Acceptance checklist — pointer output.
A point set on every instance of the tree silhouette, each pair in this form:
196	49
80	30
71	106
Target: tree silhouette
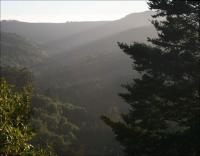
164	115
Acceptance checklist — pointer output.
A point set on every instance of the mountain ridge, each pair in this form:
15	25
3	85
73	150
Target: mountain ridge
72	34
130	14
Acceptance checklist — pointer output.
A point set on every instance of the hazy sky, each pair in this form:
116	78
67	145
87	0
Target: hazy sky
62	11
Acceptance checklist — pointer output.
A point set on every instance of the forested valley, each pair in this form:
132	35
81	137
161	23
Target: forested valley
128	87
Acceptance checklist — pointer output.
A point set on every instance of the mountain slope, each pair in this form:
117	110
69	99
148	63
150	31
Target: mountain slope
88	65
131	21
94	72
46	32
59	37
87	68
19	52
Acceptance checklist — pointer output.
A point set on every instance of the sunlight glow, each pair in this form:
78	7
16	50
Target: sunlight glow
63	11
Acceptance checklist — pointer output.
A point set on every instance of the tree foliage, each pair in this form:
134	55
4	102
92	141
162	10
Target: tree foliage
47	119
164	117
19	77
15	131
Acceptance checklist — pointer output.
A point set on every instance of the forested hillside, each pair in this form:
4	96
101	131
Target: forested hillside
19	51
49	118
125	87
78	63
61	37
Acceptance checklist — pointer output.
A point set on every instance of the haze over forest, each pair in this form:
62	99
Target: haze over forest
120	87
79	63
84	56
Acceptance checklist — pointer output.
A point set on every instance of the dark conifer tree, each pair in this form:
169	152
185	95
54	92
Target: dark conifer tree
164	115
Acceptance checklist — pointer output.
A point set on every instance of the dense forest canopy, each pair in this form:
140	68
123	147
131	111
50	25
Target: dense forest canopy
47	118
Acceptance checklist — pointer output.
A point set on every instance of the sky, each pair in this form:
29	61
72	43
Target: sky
64	11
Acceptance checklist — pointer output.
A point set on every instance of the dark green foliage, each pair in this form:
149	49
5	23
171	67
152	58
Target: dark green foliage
52	125
164	118
18	77
15	128
47	117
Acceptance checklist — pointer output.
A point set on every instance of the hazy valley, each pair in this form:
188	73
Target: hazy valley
80	63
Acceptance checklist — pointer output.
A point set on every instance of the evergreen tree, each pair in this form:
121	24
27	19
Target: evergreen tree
164	117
